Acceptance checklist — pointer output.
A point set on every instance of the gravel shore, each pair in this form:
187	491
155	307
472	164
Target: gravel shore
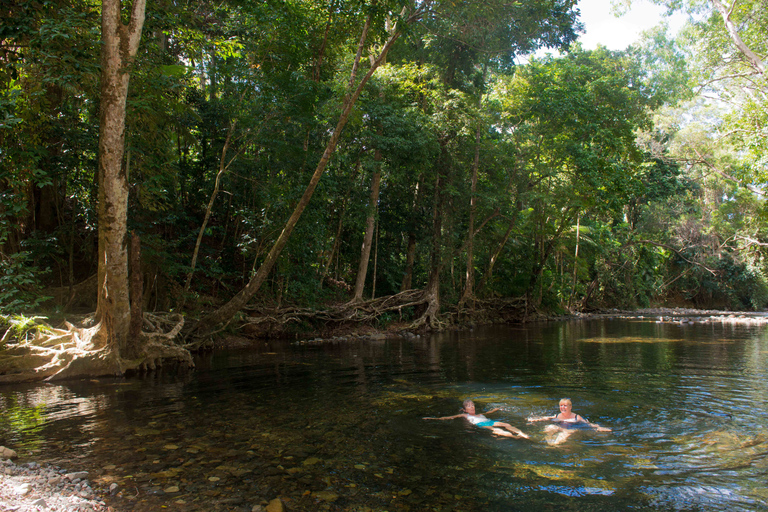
31	487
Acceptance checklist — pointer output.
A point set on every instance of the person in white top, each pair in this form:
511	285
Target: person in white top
480	420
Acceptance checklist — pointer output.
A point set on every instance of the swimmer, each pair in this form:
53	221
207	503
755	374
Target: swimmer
565	423
497	427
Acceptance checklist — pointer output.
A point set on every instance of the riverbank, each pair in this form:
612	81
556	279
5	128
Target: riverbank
679	315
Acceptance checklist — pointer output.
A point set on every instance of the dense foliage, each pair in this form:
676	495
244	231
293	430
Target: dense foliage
565	180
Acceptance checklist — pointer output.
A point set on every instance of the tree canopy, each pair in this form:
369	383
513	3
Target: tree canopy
267	142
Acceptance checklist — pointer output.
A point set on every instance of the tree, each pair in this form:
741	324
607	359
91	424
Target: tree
355	88
120	45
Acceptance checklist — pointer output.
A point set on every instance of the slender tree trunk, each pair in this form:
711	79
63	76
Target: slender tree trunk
365	252
119	47
575	260
321	51
223	166
336	243
228	310
432	290
495	256
469	282
375	264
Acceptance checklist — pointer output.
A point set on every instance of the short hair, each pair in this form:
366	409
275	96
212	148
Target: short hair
566	401
466	403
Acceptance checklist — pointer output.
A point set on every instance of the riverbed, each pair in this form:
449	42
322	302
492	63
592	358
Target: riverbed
338	425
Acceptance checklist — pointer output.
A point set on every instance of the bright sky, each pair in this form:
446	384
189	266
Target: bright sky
602	27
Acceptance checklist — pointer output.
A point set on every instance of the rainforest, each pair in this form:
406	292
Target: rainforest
173	173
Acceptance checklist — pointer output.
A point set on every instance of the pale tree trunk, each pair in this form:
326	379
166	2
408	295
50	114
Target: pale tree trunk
119	46
365	252
227	311
469	282
754	60
575	260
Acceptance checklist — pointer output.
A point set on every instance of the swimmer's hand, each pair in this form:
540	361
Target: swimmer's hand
603	429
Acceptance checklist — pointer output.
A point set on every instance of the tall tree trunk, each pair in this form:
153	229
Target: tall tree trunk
119	47
228	310
432	291
575	261
469	282
365	252
223	166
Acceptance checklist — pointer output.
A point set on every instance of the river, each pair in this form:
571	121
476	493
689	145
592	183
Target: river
339	426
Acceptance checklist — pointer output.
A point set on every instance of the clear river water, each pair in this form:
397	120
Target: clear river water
339	425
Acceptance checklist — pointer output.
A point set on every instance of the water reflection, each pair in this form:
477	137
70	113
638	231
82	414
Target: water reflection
338	426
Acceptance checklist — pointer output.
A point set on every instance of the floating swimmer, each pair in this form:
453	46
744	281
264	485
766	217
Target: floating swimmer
480	420
565	423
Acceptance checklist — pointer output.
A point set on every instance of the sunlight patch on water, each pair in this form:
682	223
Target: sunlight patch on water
630	339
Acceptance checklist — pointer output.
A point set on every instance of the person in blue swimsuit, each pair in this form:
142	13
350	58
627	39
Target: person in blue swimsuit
565	423
480	420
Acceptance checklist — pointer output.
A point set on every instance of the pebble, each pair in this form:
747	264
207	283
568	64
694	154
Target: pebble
31	487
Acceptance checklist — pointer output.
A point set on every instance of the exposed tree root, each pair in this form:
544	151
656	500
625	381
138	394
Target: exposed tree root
351	313
74	351
263	321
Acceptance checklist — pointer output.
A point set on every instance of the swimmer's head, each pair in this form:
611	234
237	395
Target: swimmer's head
468	406
565	404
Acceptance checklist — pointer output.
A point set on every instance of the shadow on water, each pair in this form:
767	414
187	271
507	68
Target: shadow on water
339	426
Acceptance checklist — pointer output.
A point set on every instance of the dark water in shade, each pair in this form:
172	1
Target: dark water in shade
339	426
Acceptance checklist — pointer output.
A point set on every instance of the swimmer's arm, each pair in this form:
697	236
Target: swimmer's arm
493	410
446	417
595	426
539	418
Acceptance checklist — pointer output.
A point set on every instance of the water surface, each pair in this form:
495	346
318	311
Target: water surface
339	426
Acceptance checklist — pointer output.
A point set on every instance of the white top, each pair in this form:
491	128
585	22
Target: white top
476	418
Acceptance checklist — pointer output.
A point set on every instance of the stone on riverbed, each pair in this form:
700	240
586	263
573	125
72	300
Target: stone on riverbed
7	453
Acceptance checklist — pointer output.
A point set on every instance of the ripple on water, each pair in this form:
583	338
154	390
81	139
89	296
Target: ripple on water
339	427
